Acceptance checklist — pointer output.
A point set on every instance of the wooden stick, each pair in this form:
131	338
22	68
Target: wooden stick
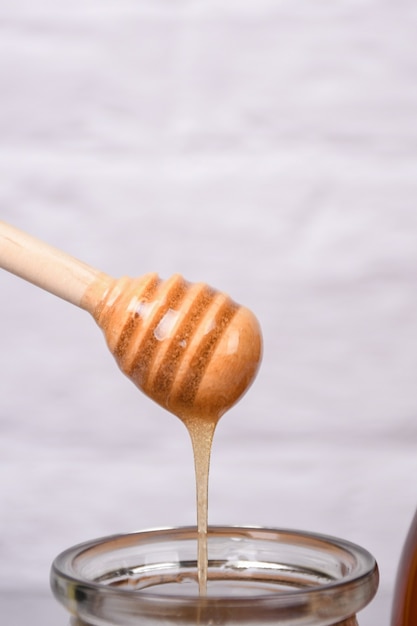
46	266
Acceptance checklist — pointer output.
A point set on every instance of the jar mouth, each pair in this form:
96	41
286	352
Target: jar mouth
255	575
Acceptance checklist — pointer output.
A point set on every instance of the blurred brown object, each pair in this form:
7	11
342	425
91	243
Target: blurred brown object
404	610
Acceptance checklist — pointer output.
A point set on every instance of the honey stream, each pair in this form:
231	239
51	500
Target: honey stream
201	433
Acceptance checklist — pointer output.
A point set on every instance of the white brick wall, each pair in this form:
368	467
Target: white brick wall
269	149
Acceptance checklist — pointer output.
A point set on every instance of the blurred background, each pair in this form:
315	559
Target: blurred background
268	148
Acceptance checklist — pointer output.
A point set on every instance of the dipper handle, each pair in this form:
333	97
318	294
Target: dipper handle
47	267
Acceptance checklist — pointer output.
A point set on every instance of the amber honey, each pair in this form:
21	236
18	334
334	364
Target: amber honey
404	610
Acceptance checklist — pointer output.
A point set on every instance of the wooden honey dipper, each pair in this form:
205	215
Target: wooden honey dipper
187	346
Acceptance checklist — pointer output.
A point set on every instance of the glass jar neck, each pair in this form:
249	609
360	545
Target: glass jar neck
256	576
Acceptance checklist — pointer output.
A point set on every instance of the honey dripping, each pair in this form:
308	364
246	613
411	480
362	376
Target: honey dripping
188	347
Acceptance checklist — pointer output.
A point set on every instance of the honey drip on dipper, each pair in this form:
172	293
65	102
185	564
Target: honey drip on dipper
187	346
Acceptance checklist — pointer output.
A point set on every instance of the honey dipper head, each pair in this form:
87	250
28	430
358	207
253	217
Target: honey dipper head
188	347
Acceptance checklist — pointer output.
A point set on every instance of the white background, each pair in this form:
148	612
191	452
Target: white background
268	148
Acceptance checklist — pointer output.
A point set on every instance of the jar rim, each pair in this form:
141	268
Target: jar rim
80	576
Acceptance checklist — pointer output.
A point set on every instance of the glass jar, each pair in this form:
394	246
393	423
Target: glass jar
404	610
255	576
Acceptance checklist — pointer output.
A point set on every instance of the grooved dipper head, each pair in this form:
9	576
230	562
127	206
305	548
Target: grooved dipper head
188	347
